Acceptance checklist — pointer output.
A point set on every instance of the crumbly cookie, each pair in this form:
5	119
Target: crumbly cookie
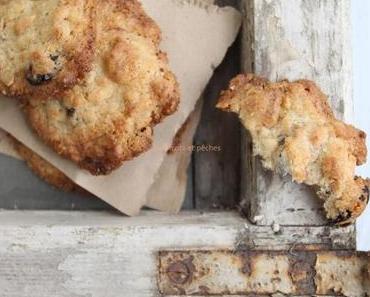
109	117
44	169
53	175
45	46
295	132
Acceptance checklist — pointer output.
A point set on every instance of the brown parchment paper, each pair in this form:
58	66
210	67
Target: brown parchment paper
168	191
6	147
196	37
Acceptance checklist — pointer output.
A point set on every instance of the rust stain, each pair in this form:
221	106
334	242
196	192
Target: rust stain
246	263
180	272
204	290
366	271
230	272
302	272
343	273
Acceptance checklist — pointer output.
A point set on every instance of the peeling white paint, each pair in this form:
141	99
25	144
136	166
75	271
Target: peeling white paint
297	39
102	254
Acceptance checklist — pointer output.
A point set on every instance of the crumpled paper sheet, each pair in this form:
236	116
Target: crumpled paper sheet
196	37
168	191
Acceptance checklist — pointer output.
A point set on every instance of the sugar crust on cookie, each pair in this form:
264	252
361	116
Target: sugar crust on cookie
295	132
109	117
45	46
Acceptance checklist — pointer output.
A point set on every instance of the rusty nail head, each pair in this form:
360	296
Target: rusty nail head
180	272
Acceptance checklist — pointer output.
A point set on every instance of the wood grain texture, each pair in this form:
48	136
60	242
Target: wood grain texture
217	172
294	39
24	195
214	179
75	254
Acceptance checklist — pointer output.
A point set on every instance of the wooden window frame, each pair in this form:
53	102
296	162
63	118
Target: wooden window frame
87	253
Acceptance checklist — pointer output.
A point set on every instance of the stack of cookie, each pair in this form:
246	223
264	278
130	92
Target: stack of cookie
89	76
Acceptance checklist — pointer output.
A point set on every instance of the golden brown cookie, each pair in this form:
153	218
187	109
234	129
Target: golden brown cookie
295	132
44	169
53	175
109	117
45	46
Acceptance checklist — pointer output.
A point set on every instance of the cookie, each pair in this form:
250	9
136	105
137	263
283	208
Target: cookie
295	133
53	175
44	169
45	46
109	117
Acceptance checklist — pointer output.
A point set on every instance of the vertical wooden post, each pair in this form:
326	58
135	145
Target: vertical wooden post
294	39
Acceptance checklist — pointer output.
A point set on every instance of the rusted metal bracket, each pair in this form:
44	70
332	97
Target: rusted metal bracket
261	273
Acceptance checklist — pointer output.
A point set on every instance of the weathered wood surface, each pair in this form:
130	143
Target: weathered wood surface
216	166
294	39
215	175
97	254
24	195
72	254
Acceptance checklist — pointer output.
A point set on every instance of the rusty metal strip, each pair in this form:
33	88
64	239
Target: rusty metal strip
343	273
203	273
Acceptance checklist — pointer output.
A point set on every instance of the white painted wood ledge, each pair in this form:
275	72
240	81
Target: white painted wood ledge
75	254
